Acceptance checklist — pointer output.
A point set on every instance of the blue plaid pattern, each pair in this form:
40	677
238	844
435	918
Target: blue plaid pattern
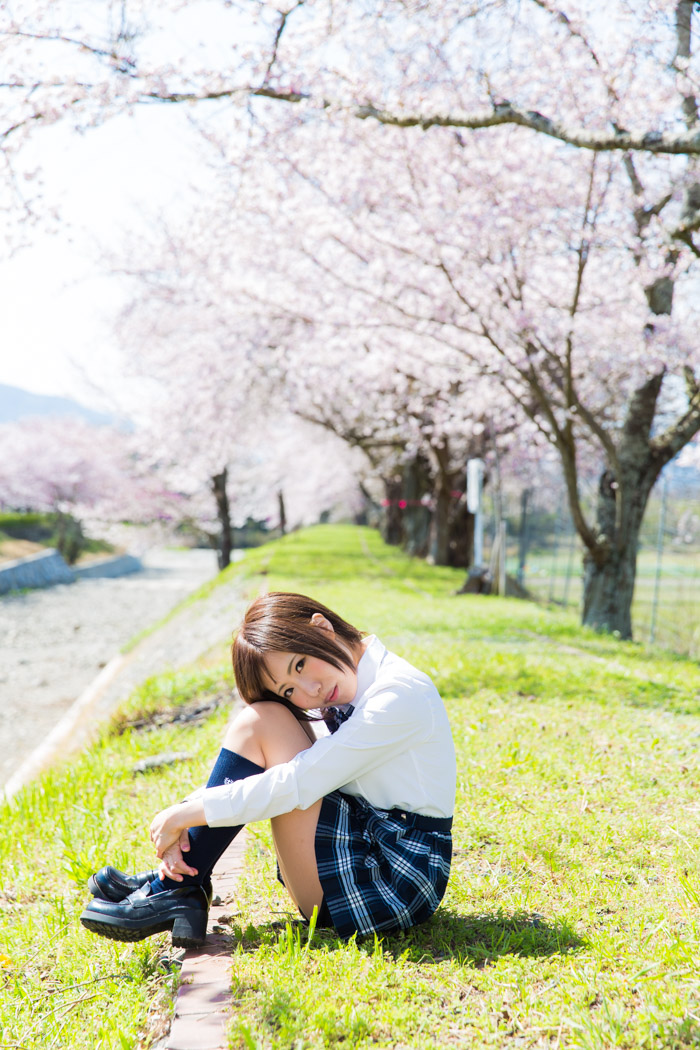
378	871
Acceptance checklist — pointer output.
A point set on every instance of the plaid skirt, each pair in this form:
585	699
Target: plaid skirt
380	871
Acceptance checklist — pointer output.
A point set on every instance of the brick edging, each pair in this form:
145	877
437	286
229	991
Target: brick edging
203	1003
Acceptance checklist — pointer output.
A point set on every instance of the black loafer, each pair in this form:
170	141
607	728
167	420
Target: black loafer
142	913
110	884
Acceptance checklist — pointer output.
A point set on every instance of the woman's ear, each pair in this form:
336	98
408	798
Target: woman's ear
319	620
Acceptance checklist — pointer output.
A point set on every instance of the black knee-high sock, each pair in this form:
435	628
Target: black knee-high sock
207	844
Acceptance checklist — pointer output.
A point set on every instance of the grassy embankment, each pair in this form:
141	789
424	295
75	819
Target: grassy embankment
571	916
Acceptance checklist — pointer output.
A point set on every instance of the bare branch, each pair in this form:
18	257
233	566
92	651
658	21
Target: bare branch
20	124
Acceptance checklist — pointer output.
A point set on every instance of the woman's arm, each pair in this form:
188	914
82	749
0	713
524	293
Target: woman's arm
393	721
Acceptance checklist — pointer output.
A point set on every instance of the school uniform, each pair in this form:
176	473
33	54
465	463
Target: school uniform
387	778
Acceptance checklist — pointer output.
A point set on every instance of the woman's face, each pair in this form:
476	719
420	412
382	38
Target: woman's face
308	682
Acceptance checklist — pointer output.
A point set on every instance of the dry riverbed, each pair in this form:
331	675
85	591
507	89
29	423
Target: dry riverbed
54	642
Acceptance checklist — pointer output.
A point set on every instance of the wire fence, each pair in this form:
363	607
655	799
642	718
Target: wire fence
545	555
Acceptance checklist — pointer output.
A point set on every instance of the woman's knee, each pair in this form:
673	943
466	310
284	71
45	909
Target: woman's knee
266	732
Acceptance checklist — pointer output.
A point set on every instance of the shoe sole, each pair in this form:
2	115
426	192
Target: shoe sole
187	932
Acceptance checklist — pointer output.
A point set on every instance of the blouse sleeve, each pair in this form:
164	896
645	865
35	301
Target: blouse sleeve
387	724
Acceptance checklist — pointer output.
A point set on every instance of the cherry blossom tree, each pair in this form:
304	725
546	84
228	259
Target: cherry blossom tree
214	419
253	293
65	467
576	299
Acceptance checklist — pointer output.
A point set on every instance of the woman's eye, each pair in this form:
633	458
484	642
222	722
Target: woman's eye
287	694
299	666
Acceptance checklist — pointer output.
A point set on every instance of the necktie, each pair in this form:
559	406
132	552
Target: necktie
335	716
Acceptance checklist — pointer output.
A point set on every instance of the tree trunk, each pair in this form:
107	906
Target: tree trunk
461	535
611	547
442	500
371	514
440	525
223	511
609	573
392	524
608	591
417	482
282	512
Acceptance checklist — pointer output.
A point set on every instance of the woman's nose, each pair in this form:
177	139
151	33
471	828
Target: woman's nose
311	686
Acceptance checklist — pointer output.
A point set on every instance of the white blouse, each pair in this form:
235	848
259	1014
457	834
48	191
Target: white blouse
396	752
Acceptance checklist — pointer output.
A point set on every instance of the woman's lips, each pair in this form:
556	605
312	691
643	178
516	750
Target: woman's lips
332	696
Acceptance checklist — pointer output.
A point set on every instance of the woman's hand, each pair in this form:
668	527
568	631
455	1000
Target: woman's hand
173	865
167	827
169	831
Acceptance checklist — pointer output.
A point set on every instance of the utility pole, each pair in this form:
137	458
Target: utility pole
475	484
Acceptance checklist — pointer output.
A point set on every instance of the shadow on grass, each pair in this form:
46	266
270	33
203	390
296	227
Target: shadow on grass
480	939
471	940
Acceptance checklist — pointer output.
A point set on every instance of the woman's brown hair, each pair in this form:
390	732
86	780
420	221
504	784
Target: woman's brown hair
280	622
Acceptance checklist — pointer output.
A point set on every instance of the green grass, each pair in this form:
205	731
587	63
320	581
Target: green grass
62	987
571	918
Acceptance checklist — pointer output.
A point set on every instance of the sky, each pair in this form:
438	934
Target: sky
59	296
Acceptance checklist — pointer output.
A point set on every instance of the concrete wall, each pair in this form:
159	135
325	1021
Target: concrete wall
38	570
49	568
120	565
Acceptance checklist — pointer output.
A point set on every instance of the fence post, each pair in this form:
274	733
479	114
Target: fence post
503	537
659	553
555	554
569	568
522	536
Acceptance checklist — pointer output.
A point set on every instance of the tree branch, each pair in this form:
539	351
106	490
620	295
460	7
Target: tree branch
668	444
685	143
656	142
120	62
684	17
284	15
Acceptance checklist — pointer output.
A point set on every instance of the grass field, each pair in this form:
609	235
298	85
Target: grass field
571	919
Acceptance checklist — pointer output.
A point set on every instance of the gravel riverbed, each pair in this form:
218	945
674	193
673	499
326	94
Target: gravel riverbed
54	642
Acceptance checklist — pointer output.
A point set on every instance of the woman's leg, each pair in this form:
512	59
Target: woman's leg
260	737
269	734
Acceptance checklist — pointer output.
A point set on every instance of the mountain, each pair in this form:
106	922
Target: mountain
16	403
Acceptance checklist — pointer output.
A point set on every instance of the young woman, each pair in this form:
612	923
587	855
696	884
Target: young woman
361	807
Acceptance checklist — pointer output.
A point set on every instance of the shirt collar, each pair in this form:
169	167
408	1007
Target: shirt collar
369	665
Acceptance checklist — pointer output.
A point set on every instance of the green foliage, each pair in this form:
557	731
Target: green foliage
571	918
51	529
